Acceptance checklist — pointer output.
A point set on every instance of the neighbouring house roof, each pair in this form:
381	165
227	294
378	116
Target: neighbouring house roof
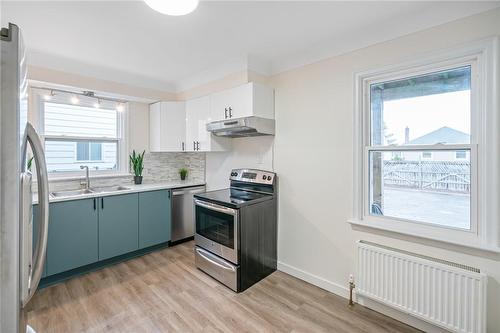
442	135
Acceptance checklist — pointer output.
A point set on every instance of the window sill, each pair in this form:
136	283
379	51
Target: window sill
388	229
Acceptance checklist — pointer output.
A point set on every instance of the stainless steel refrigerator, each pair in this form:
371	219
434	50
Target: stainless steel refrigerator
22	254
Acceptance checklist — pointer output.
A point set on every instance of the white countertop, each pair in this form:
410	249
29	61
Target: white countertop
131	188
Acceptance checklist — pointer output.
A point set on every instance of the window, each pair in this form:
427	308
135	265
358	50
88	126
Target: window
423	133
426	155
421	111
82	134
461	155
88	151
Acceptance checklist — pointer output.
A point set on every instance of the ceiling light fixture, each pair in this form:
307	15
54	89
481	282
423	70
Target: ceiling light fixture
173	7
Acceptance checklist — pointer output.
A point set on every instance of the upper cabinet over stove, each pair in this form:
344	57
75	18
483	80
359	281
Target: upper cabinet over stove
250	99
181	126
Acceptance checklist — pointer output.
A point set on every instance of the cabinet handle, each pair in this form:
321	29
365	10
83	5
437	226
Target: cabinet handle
230	113
95	205
225	113
182	146
194	145
197	145
102	203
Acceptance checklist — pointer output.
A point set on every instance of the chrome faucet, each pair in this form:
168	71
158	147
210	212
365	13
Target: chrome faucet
87	179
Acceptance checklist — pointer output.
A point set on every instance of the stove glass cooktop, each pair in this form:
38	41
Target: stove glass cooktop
233	197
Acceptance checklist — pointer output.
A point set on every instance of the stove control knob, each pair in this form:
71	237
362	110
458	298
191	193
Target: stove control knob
264	177
268	177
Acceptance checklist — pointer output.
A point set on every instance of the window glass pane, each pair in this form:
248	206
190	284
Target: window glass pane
79	121
461	154
426	154
420	110
64	155
435	191
95	151
82	151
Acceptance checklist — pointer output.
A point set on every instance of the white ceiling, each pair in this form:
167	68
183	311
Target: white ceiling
126	41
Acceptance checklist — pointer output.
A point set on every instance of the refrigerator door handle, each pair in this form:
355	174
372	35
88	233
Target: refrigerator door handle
43	207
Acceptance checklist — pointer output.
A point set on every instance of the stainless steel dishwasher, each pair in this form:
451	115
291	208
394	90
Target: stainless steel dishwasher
183	225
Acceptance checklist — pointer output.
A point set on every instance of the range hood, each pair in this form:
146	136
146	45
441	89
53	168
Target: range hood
242	127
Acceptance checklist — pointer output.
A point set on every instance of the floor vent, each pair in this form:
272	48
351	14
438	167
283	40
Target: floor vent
444	293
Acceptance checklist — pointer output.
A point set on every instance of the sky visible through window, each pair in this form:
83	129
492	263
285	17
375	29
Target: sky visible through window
425	114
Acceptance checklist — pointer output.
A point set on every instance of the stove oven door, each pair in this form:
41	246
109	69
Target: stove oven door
217	229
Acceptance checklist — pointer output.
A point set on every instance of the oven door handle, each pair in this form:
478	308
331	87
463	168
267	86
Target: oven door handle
215	207
206	256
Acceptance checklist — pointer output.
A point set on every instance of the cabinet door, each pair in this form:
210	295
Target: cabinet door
237	101
35	233
155	127
72	239
154	218
197	116
172	126
118	225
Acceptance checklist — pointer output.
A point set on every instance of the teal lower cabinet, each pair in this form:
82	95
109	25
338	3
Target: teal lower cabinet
35	234
85	234
72	238
118	225
154	218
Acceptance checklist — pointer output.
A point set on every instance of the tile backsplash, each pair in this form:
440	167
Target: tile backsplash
158	167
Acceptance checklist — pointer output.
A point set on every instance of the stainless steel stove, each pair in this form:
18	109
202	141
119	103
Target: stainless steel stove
236	229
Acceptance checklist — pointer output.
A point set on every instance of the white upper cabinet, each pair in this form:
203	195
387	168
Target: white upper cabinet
250	99
197	137
167	131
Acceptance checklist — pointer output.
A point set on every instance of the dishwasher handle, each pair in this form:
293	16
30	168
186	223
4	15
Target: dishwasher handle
184	191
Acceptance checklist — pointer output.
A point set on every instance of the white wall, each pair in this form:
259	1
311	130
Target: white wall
314	160
138	126
255	153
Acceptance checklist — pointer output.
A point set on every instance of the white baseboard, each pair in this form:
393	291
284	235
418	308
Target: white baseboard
314	279
343	291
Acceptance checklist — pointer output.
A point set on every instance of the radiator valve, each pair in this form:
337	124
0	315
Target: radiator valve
351	288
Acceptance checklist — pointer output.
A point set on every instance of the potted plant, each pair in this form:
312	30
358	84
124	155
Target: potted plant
30	163
137	163
183	172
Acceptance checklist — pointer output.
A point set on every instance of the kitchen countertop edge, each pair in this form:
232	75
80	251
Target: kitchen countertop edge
132	189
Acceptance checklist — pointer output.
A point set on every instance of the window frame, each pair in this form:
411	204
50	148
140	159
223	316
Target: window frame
121	139
484	232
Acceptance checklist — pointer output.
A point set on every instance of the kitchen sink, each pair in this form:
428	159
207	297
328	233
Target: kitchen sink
72	193
109	189
75	193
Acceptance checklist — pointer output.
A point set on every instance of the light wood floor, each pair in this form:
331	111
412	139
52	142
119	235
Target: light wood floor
164	292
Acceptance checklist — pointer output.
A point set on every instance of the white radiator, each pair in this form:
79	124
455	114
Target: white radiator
449	295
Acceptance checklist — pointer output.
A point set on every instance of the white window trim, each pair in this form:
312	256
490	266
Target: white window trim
123	169
484	147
